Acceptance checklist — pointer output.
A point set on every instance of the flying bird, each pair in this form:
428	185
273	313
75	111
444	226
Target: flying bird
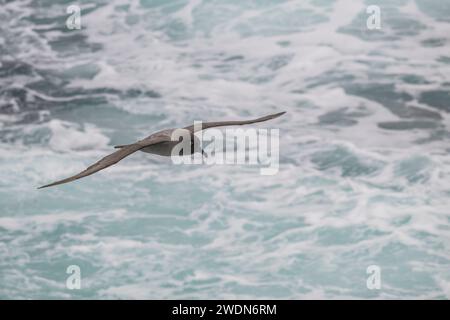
160	143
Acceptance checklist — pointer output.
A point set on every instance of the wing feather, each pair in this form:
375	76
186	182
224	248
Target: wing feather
207	125
109	160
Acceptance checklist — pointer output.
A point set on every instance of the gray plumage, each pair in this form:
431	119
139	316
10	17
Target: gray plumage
157	143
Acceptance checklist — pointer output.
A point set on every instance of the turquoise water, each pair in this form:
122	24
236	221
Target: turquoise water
364	166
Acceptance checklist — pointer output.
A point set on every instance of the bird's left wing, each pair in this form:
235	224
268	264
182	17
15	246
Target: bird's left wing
111	159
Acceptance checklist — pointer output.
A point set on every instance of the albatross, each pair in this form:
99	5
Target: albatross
159	143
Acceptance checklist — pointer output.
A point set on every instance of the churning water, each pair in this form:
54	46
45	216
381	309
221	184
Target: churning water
364	173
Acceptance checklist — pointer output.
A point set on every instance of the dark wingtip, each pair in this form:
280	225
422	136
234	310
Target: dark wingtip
53	184
276	115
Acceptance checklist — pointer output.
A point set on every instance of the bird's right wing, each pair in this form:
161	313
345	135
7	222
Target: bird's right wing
109	160
207	125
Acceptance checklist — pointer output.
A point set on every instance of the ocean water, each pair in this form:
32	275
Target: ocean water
364	175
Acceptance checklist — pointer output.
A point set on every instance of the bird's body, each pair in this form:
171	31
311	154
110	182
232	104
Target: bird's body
165	147
161	143
161	149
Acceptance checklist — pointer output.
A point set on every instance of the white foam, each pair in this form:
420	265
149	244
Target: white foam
70	137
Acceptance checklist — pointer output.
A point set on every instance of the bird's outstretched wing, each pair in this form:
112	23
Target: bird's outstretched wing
207	125
109	160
